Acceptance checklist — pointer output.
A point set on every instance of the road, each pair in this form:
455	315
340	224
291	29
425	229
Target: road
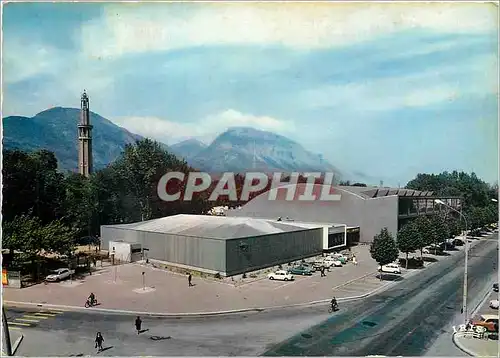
404	320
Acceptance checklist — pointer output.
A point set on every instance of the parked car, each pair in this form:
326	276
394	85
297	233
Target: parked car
458	242
488	321
494	304
280	275
59	275
329	262
339	257
301	270
390	268
495	287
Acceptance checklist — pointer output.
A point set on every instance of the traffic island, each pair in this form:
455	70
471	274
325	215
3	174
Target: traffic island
475	347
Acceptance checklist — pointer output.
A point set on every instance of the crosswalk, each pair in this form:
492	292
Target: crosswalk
31	319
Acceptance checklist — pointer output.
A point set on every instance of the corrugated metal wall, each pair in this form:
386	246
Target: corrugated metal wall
186	250
248	254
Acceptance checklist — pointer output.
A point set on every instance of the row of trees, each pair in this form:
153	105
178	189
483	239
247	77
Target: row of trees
425	231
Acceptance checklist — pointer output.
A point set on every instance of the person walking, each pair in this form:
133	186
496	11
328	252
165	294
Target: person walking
138	323
98	341
323	271
354	261
190	277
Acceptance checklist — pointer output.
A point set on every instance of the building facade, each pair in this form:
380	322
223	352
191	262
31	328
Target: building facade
364	210
214	244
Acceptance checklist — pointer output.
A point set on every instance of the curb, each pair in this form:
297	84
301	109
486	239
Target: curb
16	345
197	314
460	345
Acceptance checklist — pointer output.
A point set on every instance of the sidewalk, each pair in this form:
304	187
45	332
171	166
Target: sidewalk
476	347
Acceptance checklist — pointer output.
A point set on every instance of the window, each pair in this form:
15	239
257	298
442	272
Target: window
335	239
134	251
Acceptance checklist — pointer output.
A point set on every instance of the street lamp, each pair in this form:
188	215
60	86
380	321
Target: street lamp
6	332
466	263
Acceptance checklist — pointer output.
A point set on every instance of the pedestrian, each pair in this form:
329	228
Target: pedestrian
189	280
98	341
138	323
323	271
354	261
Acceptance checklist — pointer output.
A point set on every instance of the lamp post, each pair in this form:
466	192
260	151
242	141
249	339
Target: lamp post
6	332
466	263
143	281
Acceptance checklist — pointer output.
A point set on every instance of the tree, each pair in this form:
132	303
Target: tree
474	190
384	249
408	239
140	168
425	230
440	229
33	177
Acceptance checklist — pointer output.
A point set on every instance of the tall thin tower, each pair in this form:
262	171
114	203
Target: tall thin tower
85	138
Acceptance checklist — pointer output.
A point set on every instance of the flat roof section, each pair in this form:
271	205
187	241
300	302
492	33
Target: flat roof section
215	227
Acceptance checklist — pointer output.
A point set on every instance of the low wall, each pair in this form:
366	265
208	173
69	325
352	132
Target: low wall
11	279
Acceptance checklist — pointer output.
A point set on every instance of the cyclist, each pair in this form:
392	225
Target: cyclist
334	304
91	298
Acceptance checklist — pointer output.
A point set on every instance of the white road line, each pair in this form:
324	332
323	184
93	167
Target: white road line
286	284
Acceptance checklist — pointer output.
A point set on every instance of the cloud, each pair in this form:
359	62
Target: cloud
138	28
206	129
409	91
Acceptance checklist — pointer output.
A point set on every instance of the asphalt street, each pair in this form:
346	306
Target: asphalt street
407	319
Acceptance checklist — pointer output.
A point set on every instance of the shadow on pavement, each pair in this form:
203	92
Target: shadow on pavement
143	330
390	277
106	348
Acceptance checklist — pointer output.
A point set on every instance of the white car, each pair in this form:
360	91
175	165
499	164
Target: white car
59	275
280	275
329	262
391	268
494	304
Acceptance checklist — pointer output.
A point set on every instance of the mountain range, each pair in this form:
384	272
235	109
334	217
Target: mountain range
238	149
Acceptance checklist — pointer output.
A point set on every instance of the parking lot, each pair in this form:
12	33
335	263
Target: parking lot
124	287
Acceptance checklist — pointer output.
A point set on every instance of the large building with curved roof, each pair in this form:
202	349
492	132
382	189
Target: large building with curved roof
368	209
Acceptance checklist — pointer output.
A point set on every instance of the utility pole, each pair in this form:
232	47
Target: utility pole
6	332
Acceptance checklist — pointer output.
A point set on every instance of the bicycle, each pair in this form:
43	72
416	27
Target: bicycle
332	309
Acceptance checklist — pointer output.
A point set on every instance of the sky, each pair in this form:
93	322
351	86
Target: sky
387	90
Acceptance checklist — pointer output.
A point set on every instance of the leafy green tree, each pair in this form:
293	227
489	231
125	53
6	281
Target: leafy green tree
384	249
427	235
453	226
474	190
34	178
139	170
408	239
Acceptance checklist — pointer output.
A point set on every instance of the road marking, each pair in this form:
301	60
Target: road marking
37	317
27	320
19	324
286	284
45	314
16	328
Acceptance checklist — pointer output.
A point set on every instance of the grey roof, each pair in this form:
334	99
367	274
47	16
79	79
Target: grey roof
215	227
376	192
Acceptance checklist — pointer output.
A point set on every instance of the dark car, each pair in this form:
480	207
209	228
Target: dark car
495	287
301	270
458	242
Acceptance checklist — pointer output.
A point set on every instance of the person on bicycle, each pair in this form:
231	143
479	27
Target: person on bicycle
334	303
91	298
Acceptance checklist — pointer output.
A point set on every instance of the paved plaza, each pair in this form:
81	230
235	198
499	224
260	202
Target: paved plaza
123	287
